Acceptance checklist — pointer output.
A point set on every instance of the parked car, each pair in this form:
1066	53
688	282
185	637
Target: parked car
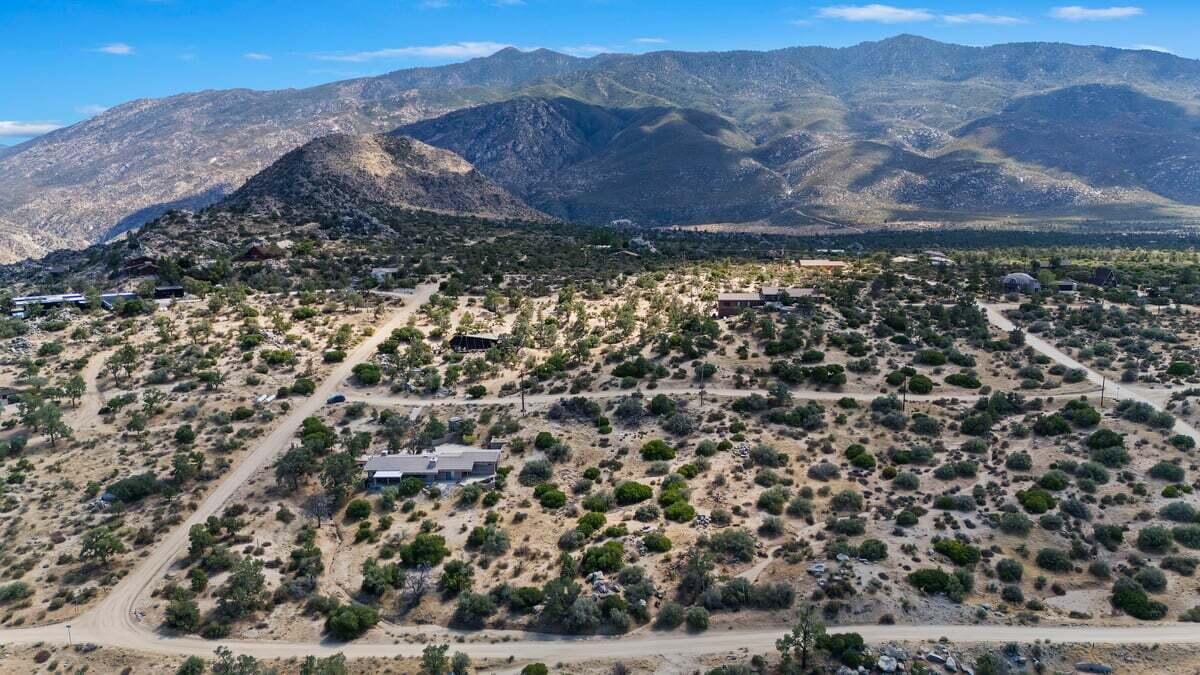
336	398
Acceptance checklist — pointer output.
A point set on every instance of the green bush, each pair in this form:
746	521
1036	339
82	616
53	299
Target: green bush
657	451
962	555
1054	560
656	542
1153	540
608	557
358	509
367	374
1035	500
631	492
1009	571
351	621
1130	598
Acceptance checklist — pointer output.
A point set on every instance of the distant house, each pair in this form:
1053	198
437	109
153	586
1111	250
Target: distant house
643	244
1020	282
621	222
21	305
109	300
447	463
260	252
167	292
823	265
1067	286
473	343
1105	277
730	304
777	294
382	274
139	266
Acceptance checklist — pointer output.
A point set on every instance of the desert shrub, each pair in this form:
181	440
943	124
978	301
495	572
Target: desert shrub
1054	560
1179	512
1187	535
1151	579
347	622
1019	461
1153	539
1167	471
657	450
1129	597
733	544
961	554
1009	571
1015	524
1035	500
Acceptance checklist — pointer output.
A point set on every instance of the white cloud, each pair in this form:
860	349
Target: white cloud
1153	48
454	50
257	56
116	49
977	18
1077	13
585	50
11	129
875	13
650	41
91	109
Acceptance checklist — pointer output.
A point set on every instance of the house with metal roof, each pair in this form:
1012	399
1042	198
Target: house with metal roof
446	464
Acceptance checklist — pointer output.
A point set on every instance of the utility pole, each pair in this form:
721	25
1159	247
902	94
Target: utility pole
69	636
1103	382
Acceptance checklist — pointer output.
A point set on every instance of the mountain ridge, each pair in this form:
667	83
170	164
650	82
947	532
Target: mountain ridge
130	164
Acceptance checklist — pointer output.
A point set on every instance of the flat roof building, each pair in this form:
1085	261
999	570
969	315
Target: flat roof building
447	463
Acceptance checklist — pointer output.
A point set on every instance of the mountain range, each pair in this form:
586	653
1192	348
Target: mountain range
902	129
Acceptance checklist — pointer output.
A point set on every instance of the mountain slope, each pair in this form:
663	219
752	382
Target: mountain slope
588	163
343	176
133	162
1105	135
679	166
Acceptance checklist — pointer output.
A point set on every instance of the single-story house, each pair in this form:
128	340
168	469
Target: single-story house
823	265
447	463
777	294
107	300
1066	286
22	304
474	343
730	304
1020	282
382	274
167	292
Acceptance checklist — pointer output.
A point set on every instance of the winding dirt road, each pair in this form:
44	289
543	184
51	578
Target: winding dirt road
112	622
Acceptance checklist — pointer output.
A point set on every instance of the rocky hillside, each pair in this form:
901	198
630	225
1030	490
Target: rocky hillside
593	164
1108	136
136	160
345	176
678	166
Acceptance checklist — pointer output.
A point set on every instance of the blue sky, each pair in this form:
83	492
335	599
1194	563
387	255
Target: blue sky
63	61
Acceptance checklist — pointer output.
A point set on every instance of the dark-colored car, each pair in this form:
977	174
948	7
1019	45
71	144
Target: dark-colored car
336	398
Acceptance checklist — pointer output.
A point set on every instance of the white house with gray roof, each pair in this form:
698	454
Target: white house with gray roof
446	464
